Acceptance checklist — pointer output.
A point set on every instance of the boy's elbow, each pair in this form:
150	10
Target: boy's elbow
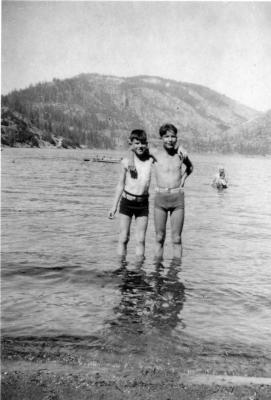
189	168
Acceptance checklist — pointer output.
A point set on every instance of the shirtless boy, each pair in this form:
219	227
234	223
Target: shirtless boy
169	194
133	194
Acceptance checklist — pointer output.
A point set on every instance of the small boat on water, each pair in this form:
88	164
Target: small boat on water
106	159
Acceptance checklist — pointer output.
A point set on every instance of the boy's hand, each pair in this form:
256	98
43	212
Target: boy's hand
112	213
183	179
133	171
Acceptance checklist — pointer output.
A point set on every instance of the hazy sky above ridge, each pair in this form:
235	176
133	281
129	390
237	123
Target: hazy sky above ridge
223	45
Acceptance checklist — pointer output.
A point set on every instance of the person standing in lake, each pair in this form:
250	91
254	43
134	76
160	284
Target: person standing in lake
132	193
169	192
220	180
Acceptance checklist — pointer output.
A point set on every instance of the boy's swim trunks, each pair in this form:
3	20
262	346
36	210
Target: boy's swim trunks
169	201
139	206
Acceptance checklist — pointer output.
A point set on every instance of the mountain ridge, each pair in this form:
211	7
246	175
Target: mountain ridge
99	111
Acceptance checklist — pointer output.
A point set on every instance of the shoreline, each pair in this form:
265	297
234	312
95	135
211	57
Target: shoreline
123	148
65	370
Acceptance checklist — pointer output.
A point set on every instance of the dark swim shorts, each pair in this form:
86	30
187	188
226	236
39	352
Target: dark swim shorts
169	201
134	207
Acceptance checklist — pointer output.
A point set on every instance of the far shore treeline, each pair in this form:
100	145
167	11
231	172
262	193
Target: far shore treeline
96	111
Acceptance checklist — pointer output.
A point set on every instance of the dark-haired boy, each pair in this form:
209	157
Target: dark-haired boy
169	193
132	193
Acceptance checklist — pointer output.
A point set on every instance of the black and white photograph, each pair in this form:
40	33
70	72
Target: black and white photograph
135	200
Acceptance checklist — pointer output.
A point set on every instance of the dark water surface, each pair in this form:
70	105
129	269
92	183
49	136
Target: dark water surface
59	270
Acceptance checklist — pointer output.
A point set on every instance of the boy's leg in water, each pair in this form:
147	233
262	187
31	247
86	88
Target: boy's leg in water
160	222
177	220
125	223
141	228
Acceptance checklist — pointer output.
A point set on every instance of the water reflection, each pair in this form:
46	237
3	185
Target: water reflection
149	300
168	297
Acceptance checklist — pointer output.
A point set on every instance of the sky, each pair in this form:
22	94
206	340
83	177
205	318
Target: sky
225	46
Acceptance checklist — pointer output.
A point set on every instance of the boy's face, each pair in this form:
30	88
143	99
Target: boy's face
169	140
139	147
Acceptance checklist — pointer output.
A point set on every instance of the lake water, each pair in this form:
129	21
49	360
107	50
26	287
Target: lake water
59	270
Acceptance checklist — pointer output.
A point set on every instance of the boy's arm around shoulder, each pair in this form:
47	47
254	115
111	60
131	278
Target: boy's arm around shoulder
131	164
153	152
131	160
119	190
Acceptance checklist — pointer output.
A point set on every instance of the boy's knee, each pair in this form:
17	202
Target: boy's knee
141	240
160	237
176	239
124	238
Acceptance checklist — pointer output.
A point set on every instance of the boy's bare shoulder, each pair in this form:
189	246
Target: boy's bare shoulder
155	152
182	152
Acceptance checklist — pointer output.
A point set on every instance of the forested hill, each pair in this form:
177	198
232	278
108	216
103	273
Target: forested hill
253	136
99	111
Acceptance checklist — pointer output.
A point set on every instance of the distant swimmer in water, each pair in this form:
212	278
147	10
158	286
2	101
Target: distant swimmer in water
220	180
132	193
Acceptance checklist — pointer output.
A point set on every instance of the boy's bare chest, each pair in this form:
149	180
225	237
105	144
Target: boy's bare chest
168	164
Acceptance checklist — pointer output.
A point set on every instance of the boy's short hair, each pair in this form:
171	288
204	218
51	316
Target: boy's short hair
167	127
138	134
